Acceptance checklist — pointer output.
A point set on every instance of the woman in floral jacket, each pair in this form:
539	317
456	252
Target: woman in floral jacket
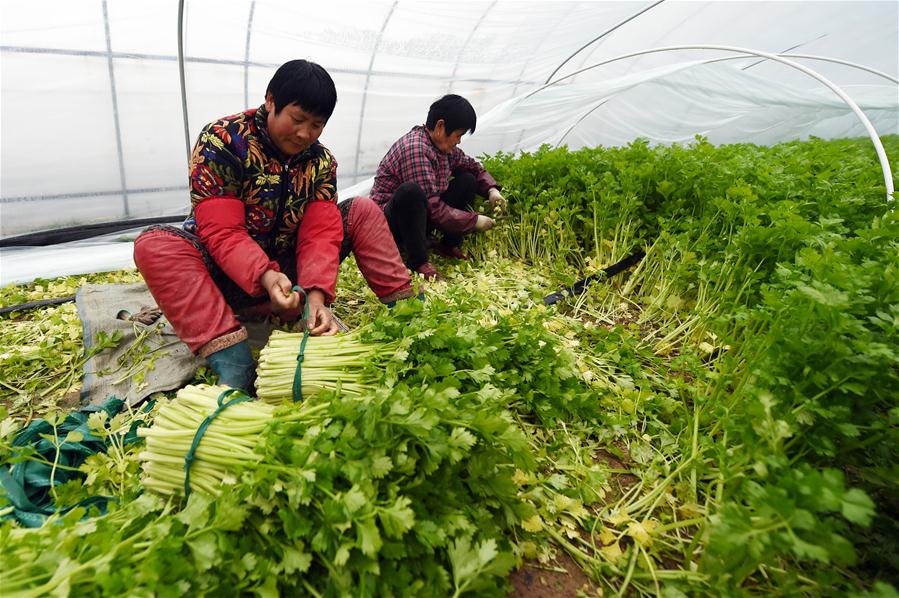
265	217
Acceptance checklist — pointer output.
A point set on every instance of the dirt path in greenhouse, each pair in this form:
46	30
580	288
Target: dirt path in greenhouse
562	577
535	580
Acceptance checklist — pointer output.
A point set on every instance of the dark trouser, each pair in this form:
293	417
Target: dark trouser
407	215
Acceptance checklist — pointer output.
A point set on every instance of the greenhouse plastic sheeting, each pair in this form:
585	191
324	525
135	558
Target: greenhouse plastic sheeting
103	254
92	124
677	102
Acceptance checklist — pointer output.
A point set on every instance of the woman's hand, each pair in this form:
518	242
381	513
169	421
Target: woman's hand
497	202
279	291
284	298
320	321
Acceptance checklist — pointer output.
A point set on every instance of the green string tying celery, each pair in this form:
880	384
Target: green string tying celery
298	375
189	457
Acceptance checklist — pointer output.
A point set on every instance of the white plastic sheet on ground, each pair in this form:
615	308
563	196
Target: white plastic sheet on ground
92	127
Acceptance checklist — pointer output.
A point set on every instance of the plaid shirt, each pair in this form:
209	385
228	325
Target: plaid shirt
414	158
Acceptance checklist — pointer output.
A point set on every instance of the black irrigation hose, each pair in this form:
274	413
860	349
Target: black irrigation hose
83	231
581	285
34	304
575	289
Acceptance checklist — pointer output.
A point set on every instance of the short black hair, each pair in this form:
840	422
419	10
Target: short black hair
304	83
456	113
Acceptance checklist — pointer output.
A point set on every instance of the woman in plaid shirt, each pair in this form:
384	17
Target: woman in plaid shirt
426	182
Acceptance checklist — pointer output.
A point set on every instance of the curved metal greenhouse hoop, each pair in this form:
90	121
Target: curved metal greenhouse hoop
246	56
449	87
371	63
726	58
524	67
181	77
854	65
872	133
602	35
580	120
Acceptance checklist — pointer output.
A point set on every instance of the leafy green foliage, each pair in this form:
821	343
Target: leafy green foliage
42	354
780	263
721	420
407	490
63	461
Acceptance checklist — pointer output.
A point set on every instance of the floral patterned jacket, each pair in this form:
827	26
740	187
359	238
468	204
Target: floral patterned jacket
253	207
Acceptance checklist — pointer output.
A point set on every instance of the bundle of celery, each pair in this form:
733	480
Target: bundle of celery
329	363
224	449
405	491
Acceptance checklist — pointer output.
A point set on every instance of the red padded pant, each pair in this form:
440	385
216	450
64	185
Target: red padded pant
194	302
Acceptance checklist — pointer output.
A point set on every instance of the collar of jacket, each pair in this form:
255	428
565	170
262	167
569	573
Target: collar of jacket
261	119
424	133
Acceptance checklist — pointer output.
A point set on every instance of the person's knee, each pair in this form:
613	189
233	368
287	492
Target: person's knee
157	252
364	208
147	247
409	187
409	194
466	180
365	218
